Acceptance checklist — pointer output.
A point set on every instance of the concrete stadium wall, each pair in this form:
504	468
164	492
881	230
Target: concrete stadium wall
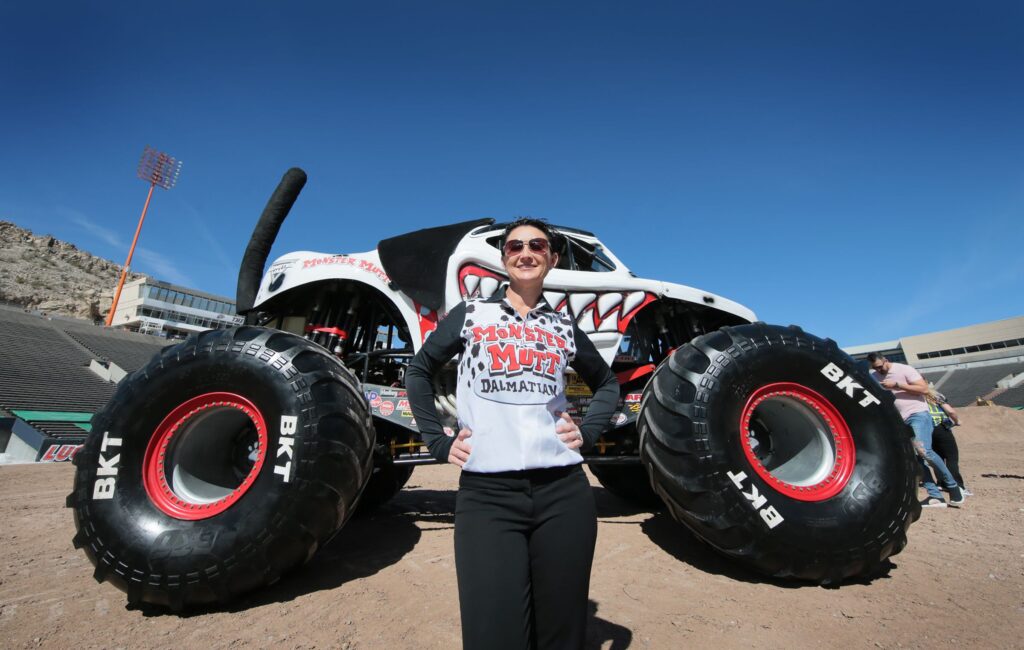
973	335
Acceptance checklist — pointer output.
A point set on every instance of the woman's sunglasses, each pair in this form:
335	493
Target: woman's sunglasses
515	246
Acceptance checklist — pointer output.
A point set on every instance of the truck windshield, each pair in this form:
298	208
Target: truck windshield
586	257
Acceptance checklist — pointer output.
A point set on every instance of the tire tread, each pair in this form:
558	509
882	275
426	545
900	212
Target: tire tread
326	498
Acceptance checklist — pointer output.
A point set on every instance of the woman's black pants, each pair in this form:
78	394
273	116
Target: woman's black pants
944	444
524	544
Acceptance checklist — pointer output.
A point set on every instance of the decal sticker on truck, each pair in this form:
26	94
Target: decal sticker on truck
286	446
757	501
106	473
846	384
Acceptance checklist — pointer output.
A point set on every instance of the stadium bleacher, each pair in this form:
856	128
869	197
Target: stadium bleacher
128	350
42	371
964	385
45	380
936	377
1013	397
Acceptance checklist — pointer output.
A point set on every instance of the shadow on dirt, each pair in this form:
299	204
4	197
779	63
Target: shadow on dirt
610	505
601	632
676	540
418	504
363	547
368	543
374	541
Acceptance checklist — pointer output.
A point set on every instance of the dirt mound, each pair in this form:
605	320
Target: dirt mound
995	424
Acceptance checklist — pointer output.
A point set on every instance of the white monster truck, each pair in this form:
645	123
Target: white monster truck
232	457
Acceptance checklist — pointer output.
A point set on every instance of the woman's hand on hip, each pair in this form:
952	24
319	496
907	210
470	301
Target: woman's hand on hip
459	453
568	432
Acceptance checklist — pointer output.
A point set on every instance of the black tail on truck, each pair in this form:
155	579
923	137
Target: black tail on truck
263	236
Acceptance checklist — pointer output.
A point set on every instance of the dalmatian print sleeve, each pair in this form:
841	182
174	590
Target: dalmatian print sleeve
443	344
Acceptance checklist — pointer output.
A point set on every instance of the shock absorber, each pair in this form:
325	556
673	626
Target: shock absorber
347	322
336	335
312	321
319	330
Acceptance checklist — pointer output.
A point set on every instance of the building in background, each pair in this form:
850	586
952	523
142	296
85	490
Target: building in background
993	341
163	309
973	364
892	350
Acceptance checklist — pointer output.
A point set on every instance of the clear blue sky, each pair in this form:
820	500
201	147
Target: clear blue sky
853	167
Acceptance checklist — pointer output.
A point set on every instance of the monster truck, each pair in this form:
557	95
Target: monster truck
232	457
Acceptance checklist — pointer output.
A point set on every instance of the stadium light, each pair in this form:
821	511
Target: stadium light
156	168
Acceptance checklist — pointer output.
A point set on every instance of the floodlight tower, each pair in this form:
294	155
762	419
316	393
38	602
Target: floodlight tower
156	168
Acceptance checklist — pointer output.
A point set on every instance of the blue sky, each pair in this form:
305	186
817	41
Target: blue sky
853	167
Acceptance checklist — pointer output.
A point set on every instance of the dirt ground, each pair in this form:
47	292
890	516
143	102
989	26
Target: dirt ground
388	581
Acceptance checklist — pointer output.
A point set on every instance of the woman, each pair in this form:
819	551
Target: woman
525	523
945	417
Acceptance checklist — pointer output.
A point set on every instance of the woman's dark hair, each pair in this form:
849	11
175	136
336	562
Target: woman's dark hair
554	239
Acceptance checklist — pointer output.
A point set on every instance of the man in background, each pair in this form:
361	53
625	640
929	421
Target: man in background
910	389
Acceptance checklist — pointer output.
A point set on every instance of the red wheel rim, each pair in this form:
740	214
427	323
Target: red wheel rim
201	434
797	441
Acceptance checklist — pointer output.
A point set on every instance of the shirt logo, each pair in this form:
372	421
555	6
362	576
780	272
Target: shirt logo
518	363
507	357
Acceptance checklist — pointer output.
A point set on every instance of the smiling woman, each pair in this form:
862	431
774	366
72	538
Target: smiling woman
527	262
525	523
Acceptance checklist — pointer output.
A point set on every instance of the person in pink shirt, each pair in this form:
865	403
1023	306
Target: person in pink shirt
910	389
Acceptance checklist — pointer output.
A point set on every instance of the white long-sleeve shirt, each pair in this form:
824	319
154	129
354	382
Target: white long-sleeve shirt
511	384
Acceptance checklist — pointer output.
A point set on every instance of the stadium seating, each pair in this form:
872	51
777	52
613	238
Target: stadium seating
1014	397
934	377
44	369
128	350
965	385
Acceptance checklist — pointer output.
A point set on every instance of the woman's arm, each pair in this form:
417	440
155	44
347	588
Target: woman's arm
951	412
444	343
599	377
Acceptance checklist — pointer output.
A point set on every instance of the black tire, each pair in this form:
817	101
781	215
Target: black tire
225	462
628	482
789	499
385	482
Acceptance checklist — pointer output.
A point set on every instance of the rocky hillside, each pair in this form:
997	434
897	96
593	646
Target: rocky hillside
44	273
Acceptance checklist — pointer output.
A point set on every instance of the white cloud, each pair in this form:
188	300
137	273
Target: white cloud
160	267
201	229
145	260
81	220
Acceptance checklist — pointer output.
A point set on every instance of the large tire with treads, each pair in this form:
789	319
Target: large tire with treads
222	464
778	450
